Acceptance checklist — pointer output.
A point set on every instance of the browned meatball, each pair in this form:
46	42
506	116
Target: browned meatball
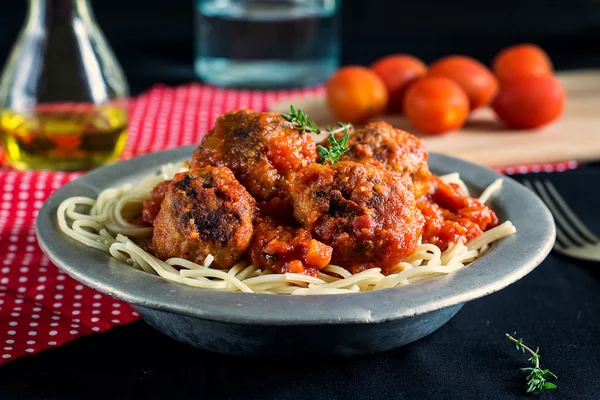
382	145
367	214
262	149
205	211
284	249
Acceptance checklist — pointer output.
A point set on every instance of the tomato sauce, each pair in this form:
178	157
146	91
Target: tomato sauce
451	216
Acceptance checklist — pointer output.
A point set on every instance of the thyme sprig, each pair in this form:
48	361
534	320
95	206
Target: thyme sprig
538	379
300	121
336	147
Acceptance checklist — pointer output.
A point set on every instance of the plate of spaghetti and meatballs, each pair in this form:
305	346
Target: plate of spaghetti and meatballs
271	223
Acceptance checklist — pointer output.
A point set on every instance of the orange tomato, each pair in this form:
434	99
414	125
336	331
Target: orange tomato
398	71
355	94
436	104
521	61
473	77
530	102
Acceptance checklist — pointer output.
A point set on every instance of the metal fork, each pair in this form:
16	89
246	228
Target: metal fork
573	238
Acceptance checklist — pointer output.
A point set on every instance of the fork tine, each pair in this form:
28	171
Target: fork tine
575	220
558	215
563	239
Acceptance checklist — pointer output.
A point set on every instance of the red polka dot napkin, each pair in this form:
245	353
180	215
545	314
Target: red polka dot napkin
40	307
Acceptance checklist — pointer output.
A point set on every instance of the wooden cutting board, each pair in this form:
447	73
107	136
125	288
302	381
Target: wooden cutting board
483	140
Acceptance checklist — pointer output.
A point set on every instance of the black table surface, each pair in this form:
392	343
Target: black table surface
556	307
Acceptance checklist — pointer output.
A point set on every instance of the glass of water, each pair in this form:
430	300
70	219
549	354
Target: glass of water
266	43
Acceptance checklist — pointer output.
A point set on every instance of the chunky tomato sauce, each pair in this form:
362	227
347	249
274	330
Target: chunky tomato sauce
451	216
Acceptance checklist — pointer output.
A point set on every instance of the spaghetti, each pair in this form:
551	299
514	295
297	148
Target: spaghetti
103	224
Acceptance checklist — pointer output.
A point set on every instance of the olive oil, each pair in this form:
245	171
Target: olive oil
74	137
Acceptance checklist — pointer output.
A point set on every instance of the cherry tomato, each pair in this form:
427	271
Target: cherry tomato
521	61
473	77
530	102
436	104
398	71
355	94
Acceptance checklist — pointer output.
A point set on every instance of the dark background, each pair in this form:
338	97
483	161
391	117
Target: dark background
556	307
154	39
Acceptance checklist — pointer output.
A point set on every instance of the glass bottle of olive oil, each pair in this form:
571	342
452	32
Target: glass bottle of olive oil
62	93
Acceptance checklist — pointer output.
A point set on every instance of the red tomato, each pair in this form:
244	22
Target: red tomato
355	94
473	77
436	105
521	61
398	71
530	102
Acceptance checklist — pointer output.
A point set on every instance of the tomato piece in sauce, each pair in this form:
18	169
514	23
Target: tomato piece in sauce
451	216
151	207
284	249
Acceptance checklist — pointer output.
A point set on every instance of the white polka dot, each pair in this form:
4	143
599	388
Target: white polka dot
5	270
76	304
18	301
39	296
31	342
60	278
52	343
29	350
76	312
52	333
1	301
116	305
4	280
115	321
42	279
55	317
59	287
35	316
10	341
37	309
8	348
15	314
22	289
95	311
54	324
79	287
5	355
23	279
32	333
78	297
41	287
11	332
17	308
58	296
73	332
95	329
96	305
76	320
24	269
33	324
13	323
95	319
116	312
56	305
97	296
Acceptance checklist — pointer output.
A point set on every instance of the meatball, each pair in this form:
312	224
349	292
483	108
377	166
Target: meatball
284	249
380	144
151	207
367	214
205	211
262	149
